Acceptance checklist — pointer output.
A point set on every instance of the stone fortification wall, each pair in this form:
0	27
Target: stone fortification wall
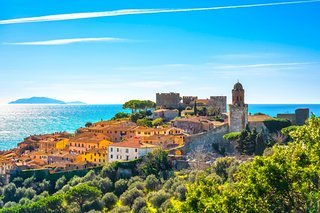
219	103
206	139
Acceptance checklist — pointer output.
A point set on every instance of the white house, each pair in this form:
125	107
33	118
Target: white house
129	150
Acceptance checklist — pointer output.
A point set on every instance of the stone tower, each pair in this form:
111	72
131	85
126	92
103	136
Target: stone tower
238	110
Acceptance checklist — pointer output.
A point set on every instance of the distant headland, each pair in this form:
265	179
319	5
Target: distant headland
42	100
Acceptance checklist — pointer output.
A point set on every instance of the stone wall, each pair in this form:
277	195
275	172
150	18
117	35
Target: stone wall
206	139
301	116
238	117
168	100
219	103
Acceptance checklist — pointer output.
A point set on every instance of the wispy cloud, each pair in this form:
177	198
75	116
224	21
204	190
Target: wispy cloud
67	41
86	15
263	65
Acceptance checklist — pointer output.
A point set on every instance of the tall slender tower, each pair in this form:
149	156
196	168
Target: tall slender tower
238	110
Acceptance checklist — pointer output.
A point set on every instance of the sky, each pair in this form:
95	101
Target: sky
104	52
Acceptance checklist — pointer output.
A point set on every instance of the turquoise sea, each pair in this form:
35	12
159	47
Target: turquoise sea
20	121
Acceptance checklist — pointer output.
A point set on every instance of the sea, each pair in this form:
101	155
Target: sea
20	121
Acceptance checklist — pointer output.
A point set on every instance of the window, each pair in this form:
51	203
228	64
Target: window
111	149
127	157
127	150
136	150
117	149
111	156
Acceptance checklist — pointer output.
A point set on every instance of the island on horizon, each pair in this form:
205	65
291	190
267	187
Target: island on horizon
42	100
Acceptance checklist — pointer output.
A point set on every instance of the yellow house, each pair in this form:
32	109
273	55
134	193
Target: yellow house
62	144
96	156
104	144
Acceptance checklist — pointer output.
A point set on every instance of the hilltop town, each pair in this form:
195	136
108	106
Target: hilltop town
190	129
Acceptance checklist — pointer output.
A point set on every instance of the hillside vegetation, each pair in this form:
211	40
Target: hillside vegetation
284	179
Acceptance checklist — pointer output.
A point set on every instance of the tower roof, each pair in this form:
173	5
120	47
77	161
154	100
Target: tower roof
238	86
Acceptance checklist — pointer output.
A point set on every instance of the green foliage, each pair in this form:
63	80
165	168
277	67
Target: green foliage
157	122
144	122
158	198
135	105
286	180
152	182
138	204
109	200
120	115
120	186
82	193
232	136
155	163
60	183
128	197
88	124
276	124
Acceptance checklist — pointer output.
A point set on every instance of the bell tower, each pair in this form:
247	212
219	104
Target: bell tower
238	110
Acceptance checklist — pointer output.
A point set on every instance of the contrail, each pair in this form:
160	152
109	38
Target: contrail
67	41
86	15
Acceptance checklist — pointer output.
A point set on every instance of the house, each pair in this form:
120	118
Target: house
129	150
86	141
96	156
165	114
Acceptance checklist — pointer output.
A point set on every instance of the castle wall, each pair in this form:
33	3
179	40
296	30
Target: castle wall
238	117
301	116
219	103
168	100
205	140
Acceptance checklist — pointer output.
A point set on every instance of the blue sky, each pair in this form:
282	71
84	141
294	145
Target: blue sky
133	49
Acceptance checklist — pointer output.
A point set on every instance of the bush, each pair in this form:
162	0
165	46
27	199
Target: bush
232	136
10	204
120	115
138	204
158	198
152	182
121	209
30	193
60	183
276	124
109	200
128	197
120	186
144	122
181	192
9	191
157	122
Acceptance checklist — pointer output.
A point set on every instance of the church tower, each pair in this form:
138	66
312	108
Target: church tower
238	110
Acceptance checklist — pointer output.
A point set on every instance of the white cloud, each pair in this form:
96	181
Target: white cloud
86	15
67	41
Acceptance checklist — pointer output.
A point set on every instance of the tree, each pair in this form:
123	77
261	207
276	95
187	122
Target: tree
135	105
60	183
120	115
144	122
82	193
157	122
276	124
120	186
152	182
128	197
109	200
88	124
154	163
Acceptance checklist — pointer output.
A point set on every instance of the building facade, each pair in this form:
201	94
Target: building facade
238	110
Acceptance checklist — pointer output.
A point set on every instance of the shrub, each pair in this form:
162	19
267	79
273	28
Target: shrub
276	124
60	183
157	122
181	192
128	197
152	182
120	186
138	204
109	200
121	209
158	198
232	136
